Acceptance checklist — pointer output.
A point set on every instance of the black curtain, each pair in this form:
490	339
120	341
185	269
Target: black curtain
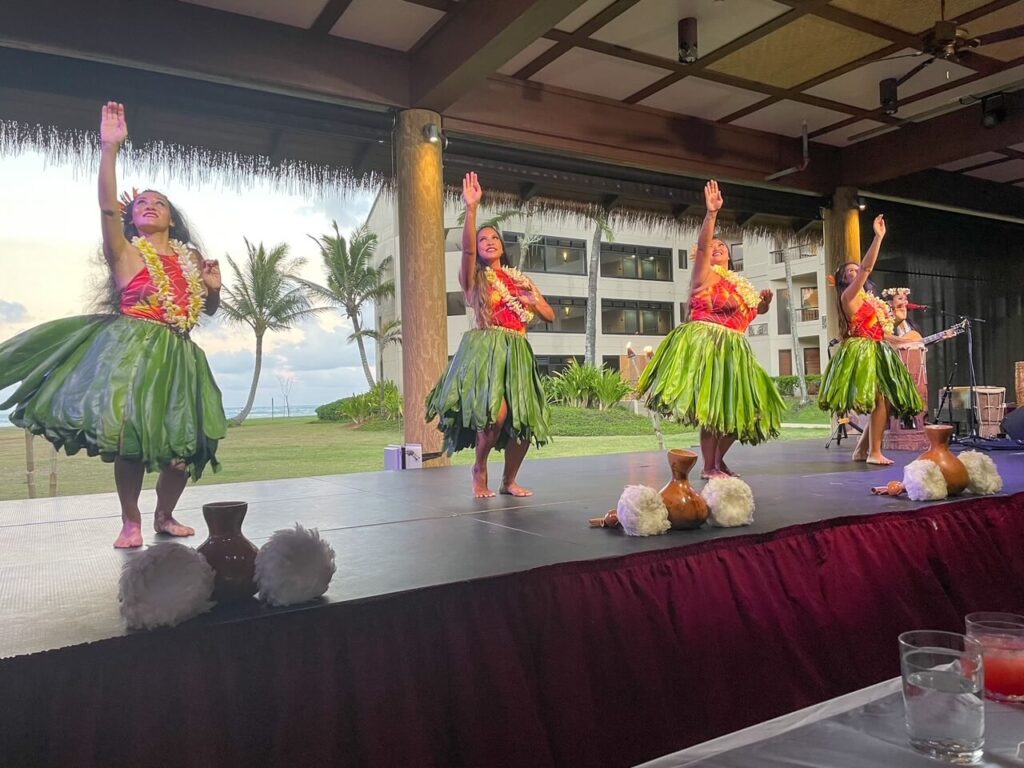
958	265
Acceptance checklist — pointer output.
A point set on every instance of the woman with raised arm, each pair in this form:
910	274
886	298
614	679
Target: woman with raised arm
704	373
491	395
130	387
866	375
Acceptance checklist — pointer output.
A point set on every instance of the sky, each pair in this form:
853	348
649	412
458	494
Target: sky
49	263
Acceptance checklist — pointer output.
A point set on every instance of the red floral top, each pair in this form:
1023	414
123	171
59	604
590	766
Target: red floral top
721	304
501	314
139	297
865	323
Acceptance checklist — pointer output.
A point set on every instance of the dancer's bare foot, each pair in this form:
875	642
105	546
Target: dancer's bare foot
708	474
858	456
171	527
131	536
724	469
480	488
514	489
877	458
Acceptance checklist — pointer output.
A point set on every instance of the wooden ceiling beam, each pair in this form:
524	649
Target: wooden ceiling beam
954	190
478	39
329	16
210	45
920	146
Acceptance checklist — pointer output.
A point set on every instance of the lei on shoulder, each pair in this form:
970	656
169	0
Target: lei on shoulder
744	288
883	313
499	280
182	320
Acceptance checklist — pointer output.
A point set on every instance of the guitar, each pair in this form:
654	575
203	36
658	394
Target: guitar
949	333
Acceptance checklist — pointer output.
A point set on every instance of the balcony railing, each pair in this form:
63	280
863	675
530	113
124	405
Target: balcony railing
779	257
806	315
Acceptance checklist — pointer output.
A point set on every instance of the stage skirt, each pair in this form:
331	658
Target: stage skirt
491	365
115	386
861	368
706	375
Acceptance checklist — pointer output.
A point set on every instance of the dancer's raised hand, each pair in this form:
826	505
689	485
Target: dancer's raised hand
113	128
471	192
879	226
713	197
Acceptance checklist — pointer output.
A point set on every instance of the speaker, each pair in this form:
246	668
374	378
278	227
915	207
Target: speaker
1013	425
888	98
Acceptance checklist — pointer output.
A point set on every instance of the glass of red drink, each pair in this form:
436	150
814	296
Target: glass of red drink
1002	640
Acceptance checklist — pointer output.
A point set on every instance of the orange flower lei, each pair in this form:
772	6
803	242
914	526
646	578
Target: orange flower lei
882	311
496	283
743	287
181	321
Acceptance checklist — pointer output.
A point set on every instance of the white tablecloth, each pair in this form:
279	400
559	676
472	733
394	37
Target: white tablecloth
863	729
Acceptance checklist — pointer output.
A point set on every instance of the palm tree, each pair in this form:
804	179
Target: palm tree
264	298
390	333
601	229
352	280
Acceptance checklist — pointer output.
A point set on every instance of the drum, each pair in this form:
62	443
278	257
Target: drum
990	409
914	357
1018	369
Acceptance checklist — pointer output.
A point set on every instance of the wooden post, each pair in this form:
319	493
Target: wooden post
842	244
30	465
420	189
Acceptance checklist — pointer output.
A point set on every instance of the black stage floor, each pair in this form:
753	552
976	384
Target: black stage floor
400	531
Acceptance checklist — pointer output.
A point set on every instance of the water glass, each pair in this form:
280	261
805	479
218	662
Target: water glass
1002	641
943	681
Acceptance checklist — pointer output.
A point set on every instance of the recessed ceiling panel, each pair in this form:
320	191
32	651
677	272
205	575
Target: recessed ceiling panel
582	15
912	16
651	25
702	98
859	87
841	137
295	13
786	117
1004	18
954	98
590	72
1011	170
798	52
389	23
525	56
973	160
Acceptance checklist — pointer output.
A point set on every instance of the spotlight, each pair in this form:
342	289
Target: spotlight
687	40
993	110
862	204
887	97
432	133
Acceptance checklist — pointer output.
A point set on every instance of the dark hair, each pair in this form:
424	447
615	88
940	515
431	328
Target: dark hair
728	250
179	229
839	278
505	262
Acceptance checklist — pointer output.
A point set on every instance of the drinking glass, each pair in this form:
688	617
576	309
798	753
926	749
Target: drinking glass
943	681
1002	641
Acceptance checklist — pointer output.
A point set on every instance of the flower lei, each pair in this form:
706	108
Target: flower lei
894	292
747	293
882	311
498	285
181	320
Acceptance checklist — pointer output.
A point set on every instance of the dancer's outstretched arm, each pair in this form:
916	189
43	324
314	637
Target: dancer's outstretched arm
866	266
113	132
702	260
471	194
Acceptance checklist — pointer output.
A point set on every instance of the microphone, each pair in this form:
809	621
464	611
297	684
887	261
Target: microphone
910	305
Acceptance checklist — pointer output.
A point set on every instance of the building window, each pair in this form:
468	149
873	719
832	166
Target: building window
611	362
551	364
812	361
649	318
785	362
456	303
684	259
758	329
570	316
636	262
808	304
736	255
556	255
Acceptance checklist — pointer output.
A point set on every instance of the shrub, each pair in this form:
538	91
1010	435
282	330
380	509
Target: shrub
610	387
384	401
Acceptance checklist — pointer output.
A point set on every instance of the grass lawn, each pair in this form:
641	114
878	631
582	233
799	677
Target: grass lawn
265	449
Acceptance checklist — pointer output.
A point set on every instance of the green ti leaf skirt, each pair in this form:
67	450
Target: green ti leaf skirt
706	375
491	366
115	386
859	370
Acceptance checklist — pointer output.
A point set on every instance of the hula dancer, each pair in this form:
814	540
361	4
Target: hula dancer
491	395
704	372
866	374
131	388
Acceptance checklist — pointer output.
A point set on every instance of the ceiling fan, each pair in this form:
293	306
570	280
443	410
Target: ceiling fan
947	41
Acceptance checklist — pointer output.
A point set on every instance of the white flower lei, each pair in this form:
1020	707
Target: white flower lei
182	321
748	294
882	311
894	292
525	315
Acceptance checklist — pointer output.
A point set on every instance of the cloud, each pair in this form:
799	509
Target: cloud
12	312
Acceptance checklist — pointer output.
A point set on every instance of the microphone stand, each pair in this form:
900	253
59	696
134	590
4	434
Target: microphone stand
974	437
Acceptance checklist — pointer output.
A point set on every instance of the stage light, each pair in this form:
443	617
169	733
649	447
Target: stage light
993	110
687	40
887	96
432	133
862	204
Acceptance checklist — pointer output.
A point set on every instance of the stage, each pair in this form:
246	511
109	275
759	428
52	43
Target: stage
491	632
